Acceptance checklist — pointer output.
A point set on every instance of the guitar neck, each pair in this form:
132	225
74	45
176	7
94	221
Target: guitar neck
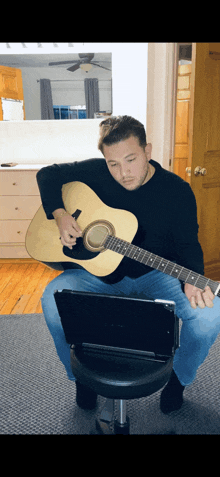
170	268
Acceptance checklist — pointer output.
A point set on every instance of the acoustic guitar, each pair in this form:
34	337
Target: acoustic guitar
106	239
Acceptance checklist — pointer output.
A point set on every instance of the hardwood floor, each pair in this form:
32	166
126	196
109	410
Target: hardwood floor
22	283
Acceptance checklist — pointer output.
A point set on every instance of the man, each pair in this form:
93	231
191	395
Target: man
165	207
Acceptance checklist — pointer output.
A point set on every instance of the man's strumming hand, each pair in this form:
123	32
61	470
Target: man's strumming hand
68	227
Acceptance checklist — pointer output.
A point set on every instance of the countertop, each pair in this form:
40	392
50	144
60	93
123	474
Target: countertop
24	167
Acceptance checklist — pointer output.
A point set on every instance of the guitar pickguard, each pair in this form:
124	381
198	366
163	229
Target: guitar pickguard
79	252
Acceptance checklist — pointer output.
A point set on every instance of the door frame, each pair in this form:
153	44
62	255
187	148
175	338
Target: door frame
161	100
163	59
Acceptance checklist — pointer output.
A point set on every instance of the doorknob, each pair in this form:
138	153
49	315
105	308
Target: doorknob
200	171
188	171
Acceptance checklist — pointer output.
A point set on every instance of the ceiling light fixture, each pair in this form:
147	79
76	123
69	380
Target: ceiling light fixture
86	67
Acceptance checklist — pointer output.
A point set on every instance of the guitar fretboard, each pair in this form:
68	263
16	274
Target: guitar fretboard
170	268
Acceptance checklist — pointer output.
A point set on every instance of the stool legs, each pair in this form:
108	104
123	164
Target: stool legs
121	425
121	403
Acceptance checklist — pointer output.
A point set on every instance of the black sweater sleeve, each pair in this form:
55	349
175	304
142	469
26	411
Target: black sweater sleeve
50	180
185	231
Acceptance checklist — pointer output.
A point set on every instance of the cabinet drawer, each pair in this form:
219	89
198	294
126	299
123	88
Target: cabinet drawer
18	183
13	230
13	251
19	207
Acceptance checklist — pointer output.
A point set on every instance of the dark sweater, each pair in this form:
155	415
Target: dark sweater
165	208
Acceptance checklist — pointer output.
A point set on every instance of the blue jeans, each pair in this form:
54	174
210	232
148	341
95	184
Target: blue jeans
199	330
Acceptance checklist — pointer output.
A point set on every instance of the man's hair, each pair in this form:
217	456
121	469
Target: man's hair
119	128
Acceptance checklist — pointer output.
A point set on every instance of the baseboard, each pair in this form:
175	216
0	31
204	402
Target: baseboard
18	260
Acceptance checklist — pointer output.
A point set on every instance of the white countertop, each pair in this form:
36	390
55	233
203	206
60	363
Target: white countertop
23	167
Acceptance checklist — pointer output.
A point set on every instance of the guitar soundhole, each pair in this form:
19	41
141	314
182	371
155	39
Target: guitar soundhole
95	235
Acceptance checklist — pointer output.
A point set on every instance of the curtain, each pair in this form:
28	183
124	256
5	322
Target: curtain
91	86
46	100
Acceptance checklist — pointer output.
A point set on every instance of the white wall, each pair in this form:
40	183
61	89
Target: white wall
48	142
40	142
161	94
129	73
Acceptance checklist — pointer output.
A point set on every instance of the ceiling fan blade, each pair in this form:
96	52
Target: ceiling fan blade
104	68
62	62
74	67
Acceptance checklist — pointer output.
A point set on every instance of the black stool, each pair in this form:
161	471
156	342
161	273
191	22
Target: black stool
123	347
118	378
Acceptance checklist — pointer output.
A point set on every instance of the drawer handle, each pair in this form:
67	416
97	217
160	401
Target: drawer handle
16	208
14	183
19	232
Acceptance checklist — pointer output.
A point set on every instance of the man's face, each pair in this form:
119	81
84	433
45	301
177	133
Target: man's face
127	162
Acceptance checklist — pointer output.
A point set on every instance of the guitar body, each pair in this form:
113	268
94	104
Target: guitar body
96	221
107	234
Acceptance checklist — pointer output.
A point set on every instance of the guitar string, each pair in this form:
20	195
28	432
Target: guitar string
143	256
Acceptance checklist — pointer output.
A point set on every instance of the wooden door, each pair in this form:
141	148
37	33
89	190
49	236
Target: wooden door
181	150
10	85
204	150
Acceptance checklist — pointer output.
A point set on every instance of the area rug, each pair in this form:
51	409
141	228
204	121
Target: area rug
36	396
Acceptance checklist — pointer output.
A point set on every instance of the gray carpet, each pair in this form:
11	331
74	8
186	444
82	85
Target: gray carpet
36	397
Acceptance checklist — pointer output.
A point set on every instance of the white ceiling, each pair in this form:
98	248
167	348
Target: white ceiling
36	61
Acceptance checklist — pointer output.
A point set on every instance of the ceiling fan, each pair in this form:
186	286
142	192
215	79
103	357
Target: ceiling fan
85	59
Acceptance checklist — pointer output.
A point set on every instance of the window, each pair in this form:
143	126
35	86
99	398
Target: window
69	112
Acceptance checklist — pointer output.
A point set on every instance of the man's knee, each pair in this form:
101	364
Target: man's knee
60	282
204	332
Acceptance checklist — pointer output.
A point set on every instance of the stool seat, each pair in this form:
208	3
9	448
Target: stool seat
119	377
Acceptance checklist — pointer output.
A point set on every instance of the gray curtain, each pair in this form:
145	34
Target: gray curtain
91	86
46	100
